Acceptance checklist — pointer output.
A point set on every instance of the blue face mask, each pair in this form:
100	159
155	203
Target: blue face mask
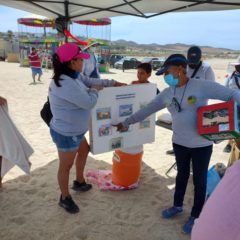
170	80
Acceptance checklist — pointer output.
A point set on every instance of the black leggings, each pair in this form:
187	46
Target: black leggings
200	160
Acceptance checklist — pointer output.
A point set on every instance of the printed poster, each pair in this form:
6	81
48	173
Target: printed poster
114	105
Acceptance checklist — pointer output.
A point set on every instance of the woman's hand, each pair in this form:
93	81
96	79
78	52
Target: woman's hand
119	84
2	101
120	127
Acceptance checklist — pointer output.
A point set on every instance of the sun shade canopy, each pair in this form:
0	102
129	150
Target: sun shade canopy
88	9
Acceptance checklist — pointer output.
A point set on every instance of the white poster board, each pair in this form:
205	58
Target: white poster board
114	105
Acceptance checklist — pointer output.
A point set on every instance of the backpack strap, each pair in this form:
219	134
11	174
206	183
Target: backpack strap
236	81
196	70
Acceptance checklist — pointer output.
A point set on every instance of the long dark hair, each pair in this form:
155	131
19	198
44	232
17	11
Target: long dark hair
59	69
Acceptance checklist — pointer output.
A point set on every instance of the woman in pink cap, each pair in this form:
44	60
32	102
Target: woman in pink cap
71	97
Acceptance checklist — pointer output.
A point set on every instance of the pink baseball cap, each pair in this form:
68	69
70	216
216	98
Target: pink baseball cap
69	51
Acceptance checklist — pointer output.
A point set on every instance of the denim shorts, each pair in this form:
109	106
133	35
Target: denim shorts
66	143
36	71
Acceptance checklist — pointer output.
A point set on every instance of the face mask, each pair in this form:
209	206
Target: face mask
170	80
237	68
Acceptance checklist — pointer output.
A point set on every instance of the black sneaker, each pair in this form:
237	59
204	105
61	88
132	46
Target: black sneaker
82	187
170	152
227	148
68	204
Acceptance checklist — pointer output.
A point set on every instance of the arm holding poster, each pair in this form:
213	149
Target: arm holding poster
155	105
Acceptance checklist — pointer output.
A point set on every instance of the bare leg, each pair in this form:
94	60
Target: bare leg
33	76
66	160
39	77
81	159
0	171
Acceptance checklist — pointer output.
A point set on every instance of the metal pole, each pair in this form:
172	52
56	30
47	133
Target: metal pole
66	6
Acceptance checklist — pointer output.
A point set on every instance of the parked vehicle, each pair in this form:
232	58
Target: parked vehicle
127	63
156	64
115	58
149	59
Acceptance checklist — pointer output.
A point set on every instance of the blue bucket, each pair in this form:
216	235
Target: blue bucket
213	179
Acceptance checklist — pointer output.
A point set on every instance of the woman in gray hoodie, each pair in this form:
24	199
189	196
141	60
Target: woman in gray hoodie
71	97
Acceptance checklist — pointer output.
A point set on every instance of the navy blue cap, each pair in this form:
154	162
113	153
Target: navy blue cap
194	55
173	60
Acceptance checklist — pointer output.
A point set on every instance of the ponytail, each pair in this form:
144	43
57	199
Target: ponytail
58	69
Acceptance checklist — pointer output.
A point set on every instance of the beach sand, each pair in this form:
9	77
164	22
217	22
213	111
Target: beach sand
29	207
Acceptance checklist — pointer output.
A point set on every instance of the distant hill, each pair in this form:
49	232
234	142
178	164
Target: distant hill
157	49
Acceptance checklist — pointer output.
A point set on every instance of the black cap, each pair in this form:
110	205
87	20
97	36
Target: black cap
194	55
173	60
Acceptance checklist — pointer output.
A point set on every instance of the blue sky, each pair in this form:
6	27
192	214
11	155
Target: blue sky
217	29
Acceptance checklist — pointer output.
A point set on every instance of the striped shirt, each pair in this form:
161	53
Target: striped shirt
34	60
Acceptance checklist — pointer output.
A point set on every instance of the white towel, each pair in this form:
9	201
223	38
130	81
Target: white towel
14	149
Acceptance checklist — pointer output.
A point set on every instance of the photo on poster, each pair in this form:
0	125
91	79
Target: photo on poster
125	110
144	124
116	143
103	113
105	130
216	118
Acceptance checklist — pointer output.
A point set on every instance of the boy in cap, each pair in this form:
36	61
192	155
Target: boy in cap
182	98
197	68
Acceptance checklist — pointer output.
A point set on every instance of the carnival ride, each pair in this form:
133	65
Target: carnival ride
97	31
42	36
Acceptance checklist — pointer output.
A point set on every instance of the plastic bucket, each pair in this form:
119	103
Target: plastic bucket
126	168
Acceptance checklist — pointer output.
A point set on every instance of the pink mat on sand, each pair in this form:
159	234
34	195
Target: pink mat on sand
103	178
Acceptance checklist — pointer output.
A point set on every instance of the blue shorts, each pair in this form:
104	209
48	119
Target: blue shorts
66	143
36	71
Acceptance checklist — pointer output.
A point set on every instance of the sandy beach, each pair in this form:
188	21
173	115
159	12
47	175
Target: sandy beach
29	207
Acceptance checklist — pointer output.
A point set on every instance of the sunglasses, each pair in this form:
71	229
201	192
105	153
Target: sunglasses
176	104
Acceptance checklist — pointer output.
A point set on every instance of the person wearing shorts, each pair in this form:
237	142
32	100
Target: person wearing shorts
72	96
35	63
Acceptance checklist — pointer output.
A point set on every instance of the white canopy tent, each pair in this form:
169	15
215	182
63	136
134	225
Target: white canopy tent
88	9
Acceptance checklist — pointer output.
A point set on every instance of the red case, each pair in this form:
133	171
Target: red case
218	121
